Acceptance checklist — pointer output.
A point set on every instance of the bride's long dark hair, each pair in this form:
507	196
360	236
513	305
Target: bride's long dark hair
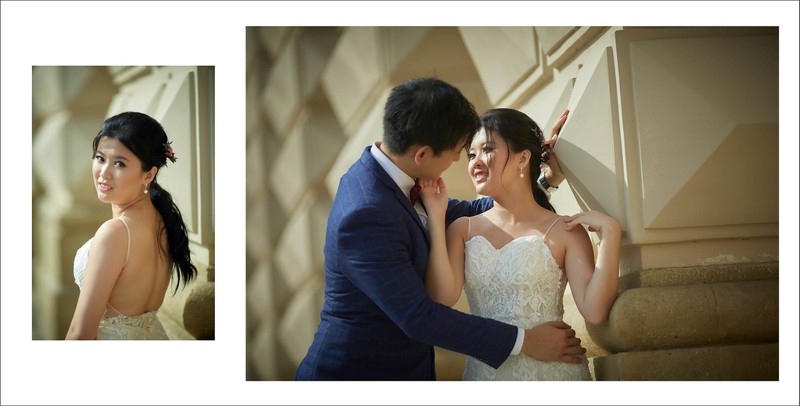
146	138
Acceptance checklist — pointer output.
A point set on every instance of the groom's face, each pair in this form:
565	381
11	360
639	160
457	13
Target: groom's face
439	163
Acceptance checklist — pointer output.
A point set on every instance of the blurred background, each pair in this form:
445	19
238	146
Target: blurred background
665	126
70	104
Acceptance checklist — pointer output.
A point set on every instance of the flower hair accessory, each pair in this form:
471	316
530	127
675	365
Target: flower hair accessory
169	153
548	149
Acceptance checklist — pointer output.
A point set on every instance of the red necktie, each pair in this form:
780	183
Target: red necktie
415	192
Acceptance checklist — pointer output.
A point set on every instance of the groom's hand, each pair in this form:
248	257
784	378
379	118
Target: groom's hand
553	341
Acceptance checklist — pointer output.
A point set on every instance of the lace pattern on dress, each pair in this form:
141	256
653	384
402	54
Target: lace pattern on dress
522	285
145	326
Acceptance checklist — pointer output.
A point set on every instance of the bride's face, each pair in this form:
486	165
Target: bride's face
487	162
117	172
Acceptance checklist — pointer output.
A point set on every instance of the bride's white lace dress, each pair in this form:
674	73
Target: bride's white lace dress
115	325
522	285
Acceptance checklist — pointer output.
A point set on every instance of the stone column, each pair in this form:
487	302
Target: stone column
675	133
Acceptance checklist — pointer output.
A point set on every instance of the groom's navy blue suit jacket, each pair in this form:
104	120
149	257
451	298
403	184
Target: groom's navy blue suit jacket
377	321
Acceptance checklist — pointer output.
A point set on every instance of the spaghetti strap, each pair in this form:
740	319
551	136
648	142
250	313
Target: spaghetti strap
549	228
469	227
129	242
114	309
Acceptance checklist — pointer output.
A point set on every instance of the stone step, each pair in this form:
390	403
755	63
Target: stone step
758	362
688	316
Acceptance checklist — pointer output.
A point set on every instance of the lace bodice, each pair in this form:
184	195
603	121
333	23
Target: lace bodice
522	285
114	325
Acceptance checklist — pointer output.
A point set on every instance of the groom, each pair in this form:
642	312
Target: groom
377	322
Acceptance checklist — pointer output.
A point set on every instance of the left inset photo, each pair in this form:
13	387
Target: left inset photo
123	202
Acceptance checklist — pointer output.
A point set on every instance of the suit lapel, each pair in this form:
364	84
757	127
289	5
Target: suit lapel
373	166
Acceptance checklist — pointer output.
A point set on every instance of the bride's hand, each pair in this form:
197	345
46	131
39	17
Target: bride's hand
601	223
551	169
433	193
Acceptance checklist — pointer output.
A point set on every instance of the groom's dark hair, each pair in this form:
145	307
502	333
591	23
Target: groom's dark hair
427	111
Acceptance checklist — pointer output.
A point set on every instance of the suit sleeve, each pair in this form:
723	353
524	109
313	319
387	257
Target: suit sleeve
376	255
461	208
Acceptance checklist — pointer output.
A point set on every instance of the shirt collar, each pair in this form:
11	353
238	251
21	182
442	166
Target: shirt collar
403	181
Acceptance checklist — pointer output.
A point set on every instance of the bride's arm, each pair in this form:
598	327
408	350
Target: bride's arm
444	278
106	259
593	284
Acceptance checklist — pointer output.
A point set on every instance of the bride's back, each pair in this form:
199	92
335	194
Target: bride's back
144	279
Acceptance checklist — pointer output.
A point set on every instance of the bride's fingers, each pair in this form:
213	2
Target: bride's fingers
442	187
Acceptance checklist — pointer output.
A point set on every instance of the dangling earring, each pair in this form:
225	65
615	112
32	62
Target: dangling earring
521	175
145	188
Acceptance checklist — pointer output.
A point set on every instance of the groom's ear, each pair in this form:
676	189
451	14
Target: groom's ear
422	154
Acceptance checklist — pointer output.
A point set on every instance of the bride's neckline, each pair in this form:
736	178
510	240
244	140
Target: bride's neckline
534	237
522	237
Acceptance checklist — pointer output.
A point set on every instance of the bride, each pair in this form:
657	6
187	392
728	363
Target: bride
514	259
124	271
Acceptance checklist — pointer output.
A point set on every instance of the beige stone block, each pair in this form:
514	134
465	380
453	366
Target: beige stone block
370	130
176	111
274	39
719	363
683	185
314	48
125	74
198	315
734	272
292	257
67	87
690	316
551	38
254	118
305	157
702	253
300	321
191	308
399	43
263	354
258	241
503	56
589	147
299	253
142	94
287	173
281	99
62	151
258	165
353	73
562	44
260	300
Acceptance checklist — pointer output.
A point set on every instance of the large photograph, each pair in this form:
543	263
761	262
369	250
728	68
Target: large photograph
650	233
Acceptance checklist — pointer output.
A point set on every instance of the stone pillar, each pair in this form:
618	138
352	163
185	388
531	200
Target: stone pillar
675	133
